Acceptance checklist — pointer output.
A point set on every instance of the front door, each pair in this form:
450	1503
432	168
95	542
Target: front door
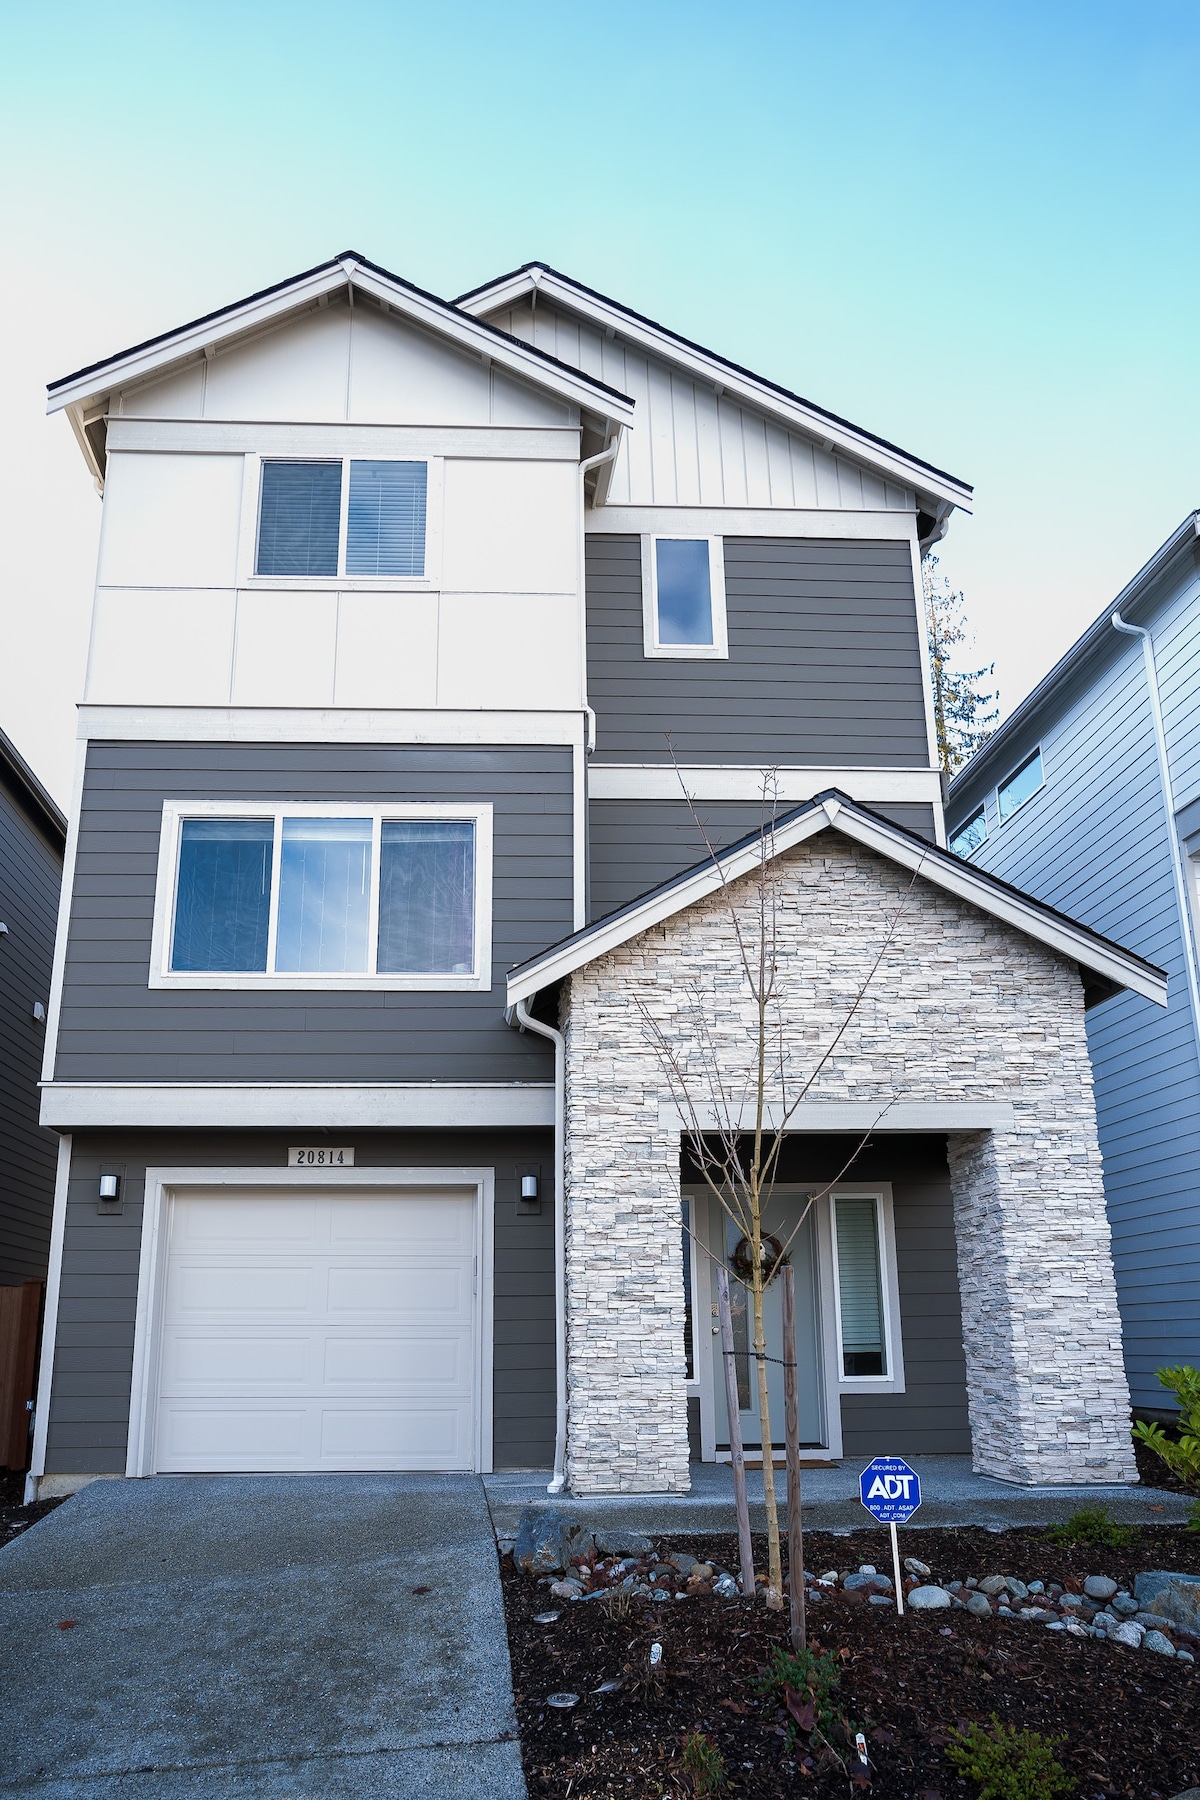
780	1221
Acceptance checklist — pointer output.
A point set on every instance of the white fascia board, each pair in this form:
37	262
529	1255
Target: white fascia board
848	1116
933	865
400	1105
252	315
898	523
223	437
664	781
326	725
900	468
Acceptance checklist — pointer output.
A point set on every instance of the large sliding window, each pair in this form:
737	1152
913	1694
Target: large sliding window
396	895
302	531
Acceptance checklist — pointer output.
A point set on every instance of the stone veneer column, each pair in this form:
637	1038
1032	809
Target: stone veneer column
1046	1388
627	1399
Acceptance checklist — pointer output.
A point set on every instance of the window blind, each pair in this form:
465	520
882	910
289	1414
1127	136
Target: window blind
299	517
385	530
859	1289
427	897
324	895
223	896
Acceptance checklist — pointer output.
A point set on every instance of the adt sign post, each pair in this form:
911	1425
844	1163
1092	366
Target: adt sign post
891	1493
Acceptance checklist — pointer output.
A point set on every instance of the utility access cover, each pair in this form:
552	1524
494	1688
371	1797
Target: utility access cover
890	1490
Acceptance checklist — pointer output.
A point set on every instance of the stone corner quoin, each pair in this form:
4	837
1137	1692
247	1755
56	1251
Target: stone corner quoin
961	1008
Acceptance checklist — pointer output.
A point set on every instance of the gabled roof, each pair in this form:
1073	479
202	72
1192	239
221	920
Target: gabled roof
804	415
349	269
1109	967
991	760
17	775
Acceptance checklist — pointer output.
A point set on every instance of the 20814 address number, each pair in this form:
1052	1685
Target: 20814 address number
304	1156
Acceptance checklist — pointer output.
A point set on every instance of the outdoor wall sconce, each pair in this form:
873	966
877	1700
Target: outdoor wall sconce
529	1187
110	1187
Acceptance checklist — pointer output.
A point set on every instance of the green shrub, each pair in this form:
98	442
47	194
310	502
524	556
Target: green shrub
1181	1453
1094	1527
703	1764
1009	1764
805	1672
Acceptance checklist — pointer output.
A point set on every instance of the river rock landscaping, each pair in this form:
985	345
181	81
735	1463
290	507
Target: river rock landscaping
1093	1647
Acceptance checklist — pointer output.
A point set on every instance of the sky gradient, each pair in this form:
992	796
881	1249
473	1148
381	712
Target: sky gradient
970	230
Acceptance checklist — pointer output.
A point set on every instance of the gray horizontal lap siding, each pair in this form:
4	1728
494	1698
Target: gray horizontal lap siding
636	844
93	1360
930	1416
30	877
114	1027
824	659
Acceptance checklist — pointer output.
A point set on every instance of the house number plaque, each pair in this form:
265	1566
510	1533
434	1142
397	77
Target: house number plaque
305	1156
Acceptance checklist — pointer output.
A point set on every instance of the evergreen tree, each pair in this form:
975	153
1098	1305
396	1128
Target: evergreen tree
964	712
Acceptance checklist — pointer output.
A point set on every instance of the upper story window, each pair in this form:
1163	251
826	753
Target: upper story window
971	835
312	896
342	517
683	597
1020	786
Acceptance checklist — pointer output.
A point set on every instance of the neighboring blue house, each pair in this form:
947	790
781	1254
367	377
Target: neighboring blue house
1088	797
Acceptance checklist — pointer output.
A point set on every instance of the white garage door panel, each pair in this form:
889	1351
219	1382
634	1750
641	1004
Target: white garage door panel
375	1364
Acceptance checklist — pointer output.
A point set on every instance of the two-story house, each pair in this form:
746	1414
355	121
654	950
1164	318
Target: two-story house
426	637
1089	797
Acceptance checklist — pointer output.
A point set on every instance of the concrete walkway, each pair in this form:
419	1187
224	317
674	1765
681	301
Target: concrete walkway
951	1495
258	1637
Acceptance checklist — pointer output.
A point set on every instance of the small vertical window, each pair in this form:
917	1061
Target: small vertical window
324	895
860	1287
688	1315
299	518
385	528
1020	786
427	897
683	589
223	900
971	835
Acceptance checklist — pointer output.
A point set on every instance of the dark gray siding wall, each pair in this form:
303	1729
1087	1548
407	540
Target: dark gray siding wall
30	876
824	659
115	1028
636	844
930	1417
93	1357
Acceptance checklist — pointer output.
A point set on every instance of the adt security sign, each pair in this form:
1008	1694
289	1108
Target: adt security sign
890	1490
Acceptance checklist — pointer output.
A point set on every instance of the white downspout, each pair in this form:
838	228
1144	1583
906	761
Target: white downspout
1168	800
607	455
527	1023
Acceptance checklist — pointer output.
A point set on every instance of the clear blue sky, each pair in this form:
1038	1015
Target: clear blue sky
970	228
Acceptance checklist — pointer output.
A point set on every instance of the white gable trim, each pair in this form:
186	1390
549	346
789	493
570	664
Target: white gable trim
830	433
935	866
253	314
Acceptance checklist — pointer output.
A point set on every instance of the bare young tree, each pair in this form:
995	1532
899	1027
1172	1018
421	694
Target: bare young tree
736	1112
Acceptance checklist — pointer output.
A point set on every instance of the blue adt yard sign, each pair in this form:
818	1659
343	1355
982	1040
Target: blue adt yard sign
890	1490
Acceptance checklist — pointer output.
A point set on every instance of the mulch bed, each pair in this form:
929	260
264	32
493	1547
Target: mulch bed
14	1517
1130	1718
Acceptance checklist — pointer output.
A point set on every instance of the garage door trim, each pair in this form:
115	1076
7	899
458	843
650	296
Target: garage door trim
163	1184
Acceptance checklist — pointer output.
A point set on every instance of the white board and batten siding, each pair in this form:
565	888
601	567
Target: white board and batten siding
319	1329
691	446
180	616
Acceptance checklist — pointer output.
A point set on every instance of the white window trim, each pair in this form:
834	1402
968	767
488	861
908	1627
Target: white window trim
248	576
162	1184
1002	817
176	811
718	650
893	1381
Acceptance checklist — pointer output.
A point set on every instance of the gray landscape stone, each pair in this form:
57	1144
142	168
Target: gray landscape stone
980	1605
1158	1641
1039	1615
862	1580
612	1541
1071	1602
1125	1604
1016	1588
879	1600
543	1545
1170	1594
1100	1587
914	1566
926	1599
993	1584
1128	1632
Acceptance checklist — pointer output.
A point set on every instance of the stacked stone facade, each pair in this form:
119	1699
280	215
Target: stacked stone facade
961	1008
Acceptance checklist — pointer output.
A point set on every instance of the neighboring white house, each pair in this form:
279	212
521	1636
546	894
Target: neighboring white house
423	633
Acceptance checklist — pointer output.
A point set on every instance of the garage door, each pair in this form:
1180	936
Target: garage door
318	1330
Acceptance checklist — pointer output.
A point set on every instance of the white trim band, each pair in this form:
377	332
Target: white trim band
662	781
400	1105
853	1116
326	725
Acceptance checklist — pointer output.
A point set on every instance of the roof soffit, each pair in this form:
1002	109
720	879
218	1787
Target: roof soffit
940	491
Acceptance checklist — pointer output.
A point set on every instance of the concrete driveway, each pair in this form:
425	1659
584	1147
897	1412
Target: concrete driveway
258	1636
